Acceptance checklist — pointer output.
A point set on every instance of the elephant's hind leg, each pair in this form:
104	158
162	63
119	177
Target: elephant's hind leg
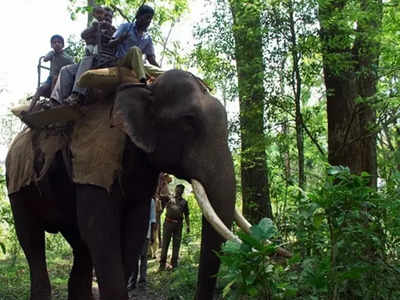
80	279
30	233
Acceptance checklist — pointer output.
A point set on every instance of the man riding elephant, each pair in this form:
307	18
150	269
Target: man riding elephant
131	41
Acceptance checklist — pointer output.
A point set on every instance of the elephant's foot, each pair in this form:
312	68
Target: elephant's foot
82	296
40	295
40	287
80	290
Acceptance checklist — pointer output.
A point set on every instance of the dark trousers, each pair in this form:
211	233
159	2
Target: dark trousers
85	64
142	261
158	228
174	231
164	200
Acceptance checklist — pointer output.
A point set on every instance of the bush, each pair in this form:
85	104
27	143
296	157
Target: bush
346	246
248	268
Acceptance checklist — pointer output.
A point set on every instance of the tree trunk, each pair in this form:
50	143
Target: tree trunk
296	85
350	59
350	79
250	66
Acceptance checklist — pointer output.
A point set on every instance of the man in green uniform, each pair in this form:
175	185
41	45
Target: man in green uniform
176	208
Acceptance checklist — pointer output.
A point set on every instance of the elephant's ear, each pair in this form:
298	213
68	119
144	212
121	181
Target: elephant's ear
132	114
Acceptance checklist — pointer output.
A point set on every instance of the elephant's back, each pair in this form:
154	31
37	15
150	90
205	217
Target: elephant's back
93	151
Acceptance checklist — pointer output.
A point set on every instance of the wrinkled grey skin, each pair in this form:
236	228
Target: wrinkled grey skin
176	127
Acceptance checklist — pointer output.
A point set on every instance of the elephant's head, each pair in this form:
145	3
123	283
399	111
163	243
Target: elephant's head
183	130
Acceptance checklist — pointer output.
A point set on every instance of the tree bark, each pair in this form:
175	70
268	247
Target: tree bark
296	85
350	78
250	65
350	50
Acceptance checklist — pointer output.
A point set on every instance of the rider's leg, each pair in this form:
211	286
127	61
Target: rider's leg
134	61
64	84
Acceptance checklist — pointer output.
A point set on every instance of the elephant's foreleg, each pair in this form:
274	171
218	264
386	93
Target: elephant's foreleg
80	279
135	225
98	215
30	233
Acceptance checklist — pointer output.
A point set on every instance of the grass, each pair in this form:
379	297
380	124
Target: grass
15	281
178	284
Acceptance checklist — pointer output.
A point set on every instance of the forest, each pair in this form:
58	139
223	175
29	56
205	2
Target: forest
312	92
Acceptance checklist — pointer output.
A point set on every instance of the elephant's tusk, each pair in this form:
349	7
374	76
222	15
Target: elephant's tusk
209	213
241	221
211	216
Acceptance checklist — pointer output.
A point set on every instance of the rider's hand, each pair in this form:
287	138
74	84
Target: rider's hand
124	36
49	56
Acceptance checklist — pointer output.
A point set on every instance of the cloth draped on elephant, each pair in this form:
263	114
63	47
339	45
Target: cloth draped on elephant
93	147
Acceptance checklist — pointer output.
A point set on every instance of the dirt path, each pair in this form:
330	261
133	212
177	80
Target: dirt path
136	294
140	293
144	294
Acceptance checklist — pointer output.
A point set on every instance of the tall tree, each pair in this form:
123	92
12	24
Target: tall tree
350	41
247	32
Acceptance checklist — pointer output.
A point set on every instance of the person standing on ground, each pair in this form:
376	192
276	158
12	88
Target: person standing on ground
176	210
157	234
142	259
163	197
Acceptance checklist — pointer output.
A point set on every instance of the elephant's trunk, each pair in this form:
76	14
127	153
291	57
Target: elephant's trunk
220	190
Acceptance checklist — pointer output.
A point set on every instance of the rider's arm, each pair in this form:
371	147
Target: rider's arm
49	56
88	33
152	60
151	56
120	35
115	41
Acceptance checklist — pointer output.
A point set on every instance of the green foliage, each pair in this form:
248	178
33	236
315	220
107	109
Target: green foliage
248	268
347	247
15	279
354	216
181	282
6	222
76	48
349	226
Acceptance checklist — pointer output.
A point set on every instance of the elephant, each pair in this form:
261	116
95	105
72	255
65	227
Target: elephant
174	126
